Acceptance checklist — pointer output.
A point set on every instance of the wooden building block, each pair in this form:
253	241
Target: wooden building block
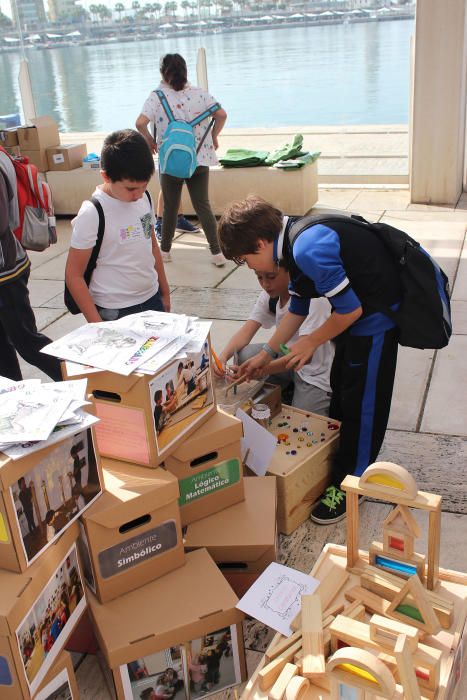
359	668
327	590
385	632
312	636
297	688
406	670
278	689
371	602
355	610
271	672
397	563
412	606
282	645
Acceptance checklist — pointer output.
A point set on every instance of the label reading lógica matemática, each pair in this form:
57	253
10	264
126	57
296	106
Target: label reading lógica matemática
138	549
209	481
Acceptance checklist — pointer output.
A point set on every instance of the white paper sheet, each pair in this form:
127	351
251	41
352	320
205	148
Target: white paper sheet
275	597
26	415
259	443
197	335
164	356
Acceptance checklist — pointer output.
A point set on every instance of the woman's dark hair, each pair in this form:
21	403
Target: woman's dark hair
174	71
126	156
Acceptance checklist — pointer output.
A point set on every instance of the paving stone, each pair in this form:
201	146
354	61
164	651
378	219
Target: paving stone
437	463
459	317
47	315
42	291
213	303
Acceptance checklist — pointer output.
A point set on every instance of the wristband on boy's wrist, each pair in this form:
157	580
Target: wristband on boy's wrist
272	353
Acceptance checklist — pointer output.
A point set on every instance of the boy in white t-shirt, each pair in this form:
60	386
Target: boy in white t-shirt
311	386
129	275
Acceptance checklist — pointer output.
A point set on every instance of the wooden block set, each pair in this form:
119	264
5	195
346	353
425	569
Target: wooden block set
388	623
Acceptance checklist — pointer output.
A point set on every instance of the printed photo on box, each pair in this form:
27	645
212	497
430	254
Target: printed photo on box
50	620
55	491
58	688
213	662
160	676
178	394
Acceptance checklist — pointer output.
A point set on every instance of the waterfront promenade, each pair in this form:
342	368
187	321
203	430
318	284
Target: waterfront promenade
428	428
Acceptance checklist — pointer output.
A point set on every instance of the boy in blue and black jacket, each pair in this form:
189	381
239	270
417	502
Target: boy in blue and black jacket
352	269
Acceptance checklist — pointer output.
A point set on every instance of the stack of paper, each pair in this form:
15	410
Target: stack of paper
145	342
33	415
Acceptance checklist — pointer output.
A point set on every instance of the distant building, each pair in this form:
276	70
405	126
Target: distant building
31	13
59	9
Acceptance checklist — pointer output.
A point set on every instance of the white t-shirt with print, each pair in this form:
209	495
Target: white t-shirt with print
125	273
317	371
185	104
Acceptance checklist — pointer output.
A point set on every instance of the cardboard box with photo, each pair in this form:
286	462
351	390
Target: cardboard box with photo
129	410
38	611
60	682
209	468
133	532
177	394
181	606
42	494
198	668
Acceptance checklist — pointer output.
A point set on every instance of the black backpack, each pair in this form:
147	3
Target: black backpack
424	314
70	303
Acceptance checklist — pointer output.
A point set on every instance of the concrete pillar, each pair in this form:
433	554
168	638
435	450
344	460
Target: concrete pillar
438	119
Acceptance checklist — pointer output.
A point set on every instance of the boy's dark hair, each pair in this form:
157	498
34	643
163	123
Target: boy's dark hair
49	515
146	693
126	156
244	223
174	71
158	395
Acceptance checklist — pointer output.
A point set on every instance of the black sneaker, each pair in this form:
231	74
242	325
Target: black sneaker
330	508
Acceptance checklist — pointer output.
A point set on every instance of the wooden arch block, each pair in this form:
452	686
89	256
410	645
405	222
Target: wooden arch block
360	669
386	480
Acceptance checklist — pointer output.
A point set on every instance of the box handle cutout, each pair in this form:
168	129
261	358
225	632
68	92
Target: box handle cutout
204	458
107	395
232	565
142	639
132	524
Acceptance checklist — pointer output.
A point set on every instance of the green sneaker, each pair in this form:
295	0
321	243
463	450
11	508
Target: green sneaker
330	508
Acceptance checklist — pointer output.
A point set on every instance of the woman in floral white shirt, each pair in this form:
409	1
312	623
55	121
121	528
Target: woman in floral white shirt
186	103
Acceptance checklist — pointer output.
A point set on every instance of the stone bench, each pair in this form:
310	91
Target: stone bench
293	192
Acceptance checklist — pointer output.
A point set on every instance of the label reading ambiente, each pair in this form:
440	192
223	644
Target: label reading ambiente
137	550
209	481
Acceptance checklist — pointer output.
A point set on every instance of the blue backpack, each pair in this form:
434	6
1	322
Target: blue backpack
178	151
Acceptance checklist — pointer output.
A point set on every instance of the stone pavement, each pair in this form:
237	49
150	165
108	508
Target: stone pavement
428	428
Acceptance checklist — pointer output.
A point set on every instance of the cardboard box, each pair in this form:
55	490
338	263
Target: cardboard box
42	133
13	150
133	530
92	164
42	493
37	158
60	681
180	609
66	156
241	539
139	422
209	468
9	137
38	611
302	463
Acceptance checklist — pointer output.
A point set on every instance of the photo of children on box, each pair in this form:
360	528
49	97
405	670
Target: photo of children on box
55	491
178	393
201	667
57	689
51	619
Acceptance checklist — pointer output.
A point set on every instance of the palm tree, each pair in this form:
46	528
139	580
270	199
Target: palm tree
208	4
94	10
156	8
103	12
135	6
186	5
5	22
119	8
170	9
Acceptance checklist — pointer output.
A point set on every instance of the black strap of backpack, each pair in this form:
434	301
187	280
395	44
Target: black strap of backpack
211	123
97	246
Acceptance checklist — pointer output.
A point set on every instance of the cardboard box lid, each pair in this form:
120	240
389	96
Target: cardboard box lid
246	530
112	382
170	605
18	591
65	147
140	490
220	430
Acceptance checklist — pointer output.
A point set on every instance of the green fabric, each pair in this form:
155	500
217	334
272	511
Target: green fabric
243	158
296	163
290	150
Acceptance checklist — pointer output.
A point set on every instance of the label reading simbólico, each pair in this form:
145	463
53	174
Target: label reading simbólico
211	480
137	550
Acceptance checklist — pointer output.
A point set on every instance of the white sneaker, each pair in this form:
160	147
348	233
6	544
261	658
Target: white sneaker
218	260
166	257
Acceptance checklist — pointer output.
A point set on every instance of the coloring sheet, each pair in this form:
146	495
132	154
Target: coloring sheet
275	597
27	416
197	334
171	350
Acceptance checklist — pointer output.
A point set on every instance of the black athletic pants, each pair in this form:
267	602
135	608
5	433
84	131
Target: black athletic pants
362	380
18	333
